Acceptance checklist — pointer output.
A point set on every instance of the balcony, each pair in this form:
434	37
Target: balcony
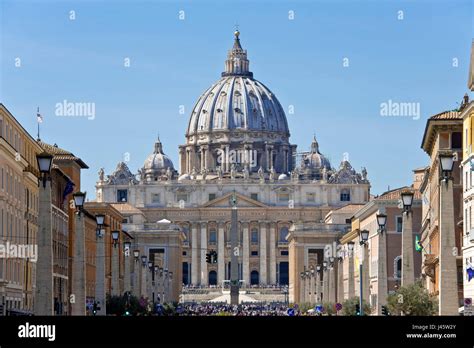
282	244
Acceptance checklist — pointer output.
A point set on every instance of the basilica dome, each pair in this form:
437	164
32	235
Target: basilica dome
237	101
314	159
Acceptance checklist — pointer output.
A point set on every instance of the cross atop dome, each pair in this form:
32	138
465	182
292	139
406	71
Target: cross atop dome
237	63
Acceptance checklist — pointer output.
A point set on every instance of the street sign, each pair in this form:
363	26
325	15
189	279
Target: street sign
468	309
338	306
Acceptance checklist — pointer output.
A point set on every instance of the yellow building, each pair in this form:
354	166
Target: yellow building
467	114
18	213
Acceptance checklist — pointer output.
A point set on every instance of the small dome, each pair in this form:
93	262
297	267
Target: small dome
282	177
157	162
315	160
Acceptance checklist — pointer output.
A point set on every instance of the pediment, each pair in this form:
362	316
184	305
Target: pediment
242	202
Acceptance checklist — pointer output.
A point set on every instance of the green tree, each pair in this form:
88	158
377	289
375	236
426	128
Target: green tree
349	306
118	305
413	299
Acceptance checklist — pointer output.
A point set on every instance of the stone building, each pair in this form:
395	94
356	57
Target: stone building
18	212
237	140
442	217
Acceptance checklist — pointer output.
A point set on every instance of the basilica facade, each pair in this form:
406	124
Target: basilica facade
237	140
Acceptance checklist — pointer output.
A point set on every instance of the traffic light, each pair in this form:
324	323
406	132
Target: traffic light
357	309
385	310
208	257
214	256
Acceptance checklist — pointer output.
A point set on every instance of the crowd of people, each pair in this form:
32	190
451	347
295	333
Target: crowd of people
245	309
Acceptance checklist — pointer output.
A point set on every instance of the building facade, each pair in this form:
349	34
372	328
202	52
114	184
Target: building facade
442	217
18	213
237	140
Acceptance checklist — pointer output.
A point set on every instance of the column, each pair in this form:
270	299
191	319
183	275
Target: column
332	284
318	287
408	272
204	275
126	275
100	274
194	255
382	287
143	289
136	278
263	253
78	288
115	270
311	288
325	285
246	254
350	276
43	304
365	274
340	282
448	284
273	248
221	254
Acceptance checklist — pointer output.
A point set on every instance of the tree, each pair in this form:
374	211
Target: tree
413	299
119	305
349	306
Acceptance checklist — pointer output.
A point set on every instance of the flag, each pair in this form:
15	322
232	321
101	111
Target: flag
39	118
470	271
68	189
418	246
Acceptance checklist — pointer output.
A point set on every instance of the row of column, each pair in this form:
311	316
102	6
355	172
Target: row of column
199	248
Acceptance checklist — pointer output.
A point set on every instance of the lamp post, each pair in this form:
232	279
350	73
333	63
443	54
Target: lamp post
170	285
448	292
155	285
307	276
100	293
144	277
408	271
302	290
150	283
164	285
78	287
43	304
318	284
126	272
311	286
332	280
115	263
340	277
350	273
364	237
136	273
382	287
325	296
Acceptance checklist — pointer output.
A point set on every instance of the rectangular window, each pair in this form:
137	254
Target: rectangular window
122	195
182	197
399	222
212	237
254	253
456	140
155	198
283	197
310	197
254	196
212	196
254	237
345	196
284	253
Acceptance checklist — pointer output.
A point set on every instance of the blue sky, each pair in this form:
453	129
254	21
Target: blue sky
173	61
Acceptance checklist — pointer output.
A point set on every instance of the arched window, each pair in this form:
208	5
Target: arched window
283	234
212	278
254	278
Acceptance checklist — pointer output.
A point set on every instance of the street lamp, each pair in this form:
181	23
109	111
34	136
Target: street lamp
136	254
79	198
144	260
115	237
447	163
325	265
44	164
407	200
364	237
381	221
126	247
150	265
99	219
